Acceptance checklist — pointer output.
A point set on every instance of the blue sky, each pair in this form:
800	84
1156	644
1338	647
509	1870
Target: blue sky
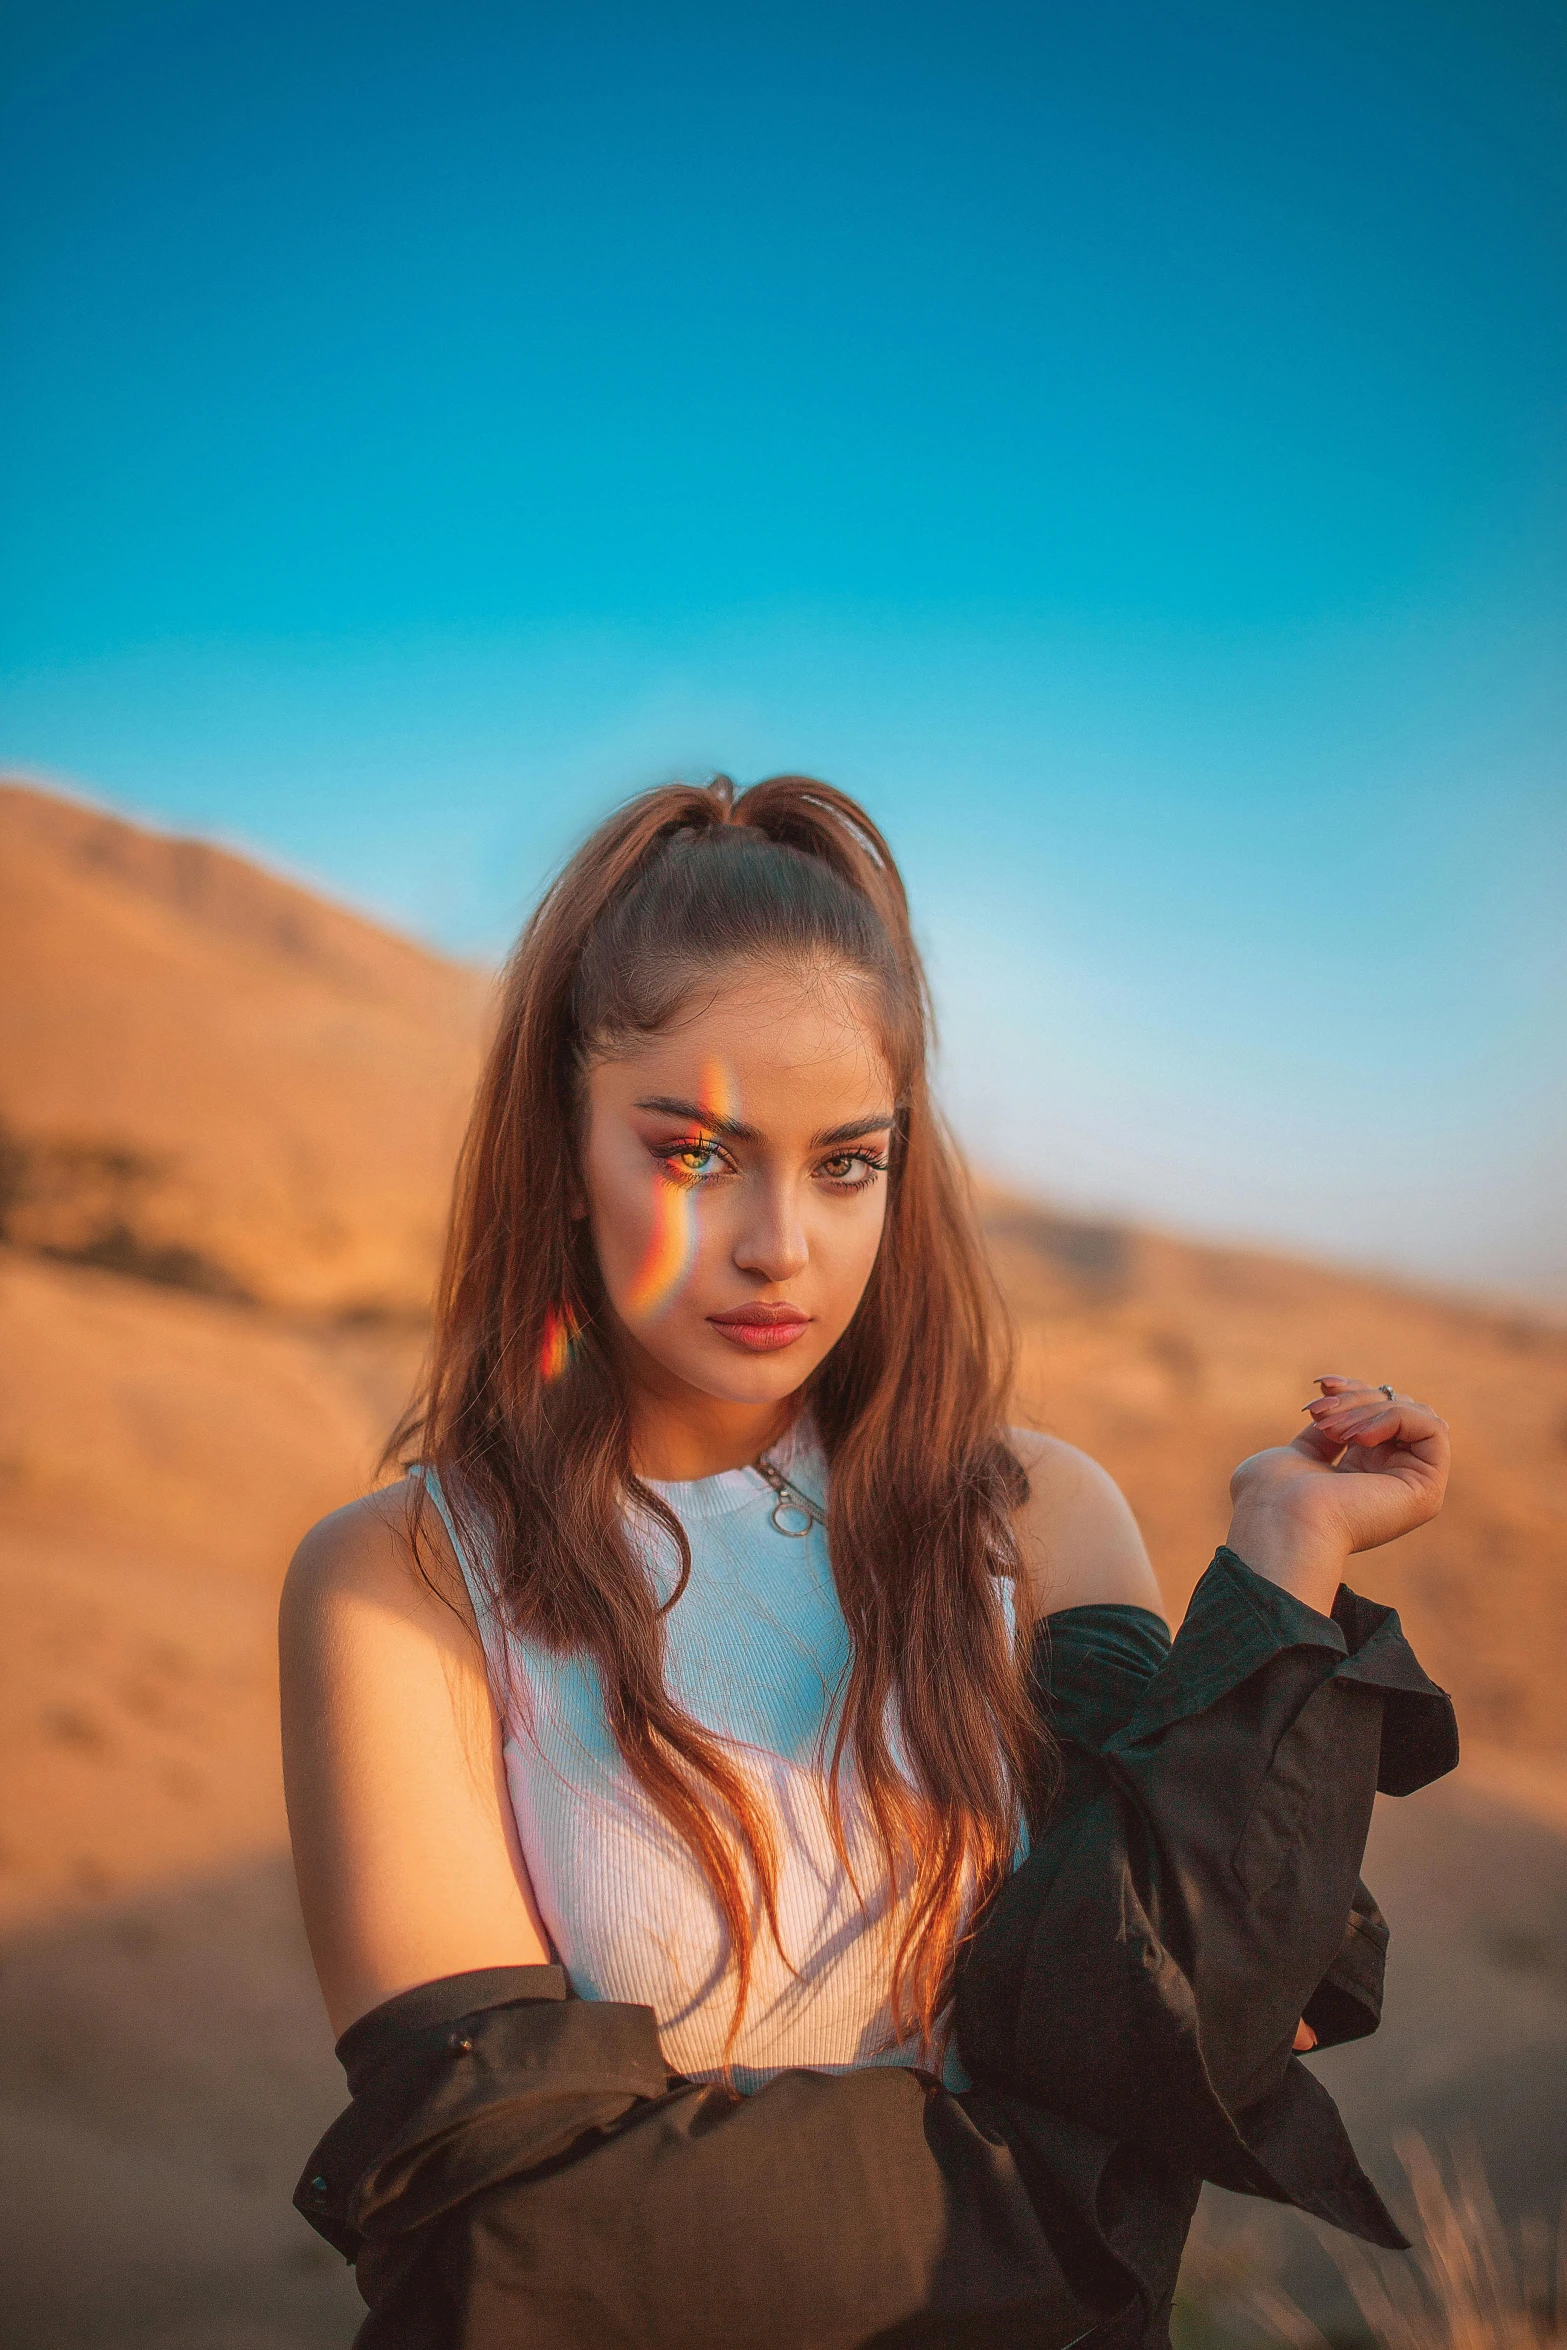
1124	444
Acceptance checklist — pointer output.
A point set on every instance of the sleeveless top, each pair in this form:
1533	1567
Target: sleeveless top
755	1649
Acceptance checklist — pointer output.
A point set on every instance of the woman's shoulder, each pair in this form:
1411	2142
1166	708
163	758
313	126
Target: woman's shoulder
1081	1544
387	1550
404	1842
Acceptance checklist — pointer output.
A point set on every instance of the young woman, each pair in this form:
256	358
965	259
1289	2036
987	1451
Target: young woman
773	1878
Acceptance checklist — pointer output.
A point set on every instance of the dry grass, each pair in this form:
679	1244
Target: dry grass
1468	2284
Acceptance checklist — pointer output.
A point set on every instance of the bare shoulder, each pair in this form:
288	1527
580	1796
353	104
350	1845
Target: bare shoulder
405	1846
381	1552
376	1627
1081	1544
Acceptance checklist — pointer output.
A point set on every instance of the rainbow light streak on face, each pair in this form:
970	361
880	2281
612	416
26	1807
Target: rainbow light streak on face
667	1258
719	1094
672	1246
555	1353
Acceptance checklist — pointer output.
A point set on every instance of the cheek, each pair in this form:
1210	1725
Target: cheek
845	1251
646	1234
667	1252
875	1226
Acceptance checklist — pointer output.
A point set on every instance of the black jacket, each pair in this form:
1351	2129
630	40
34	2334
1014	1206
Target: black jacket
517	2166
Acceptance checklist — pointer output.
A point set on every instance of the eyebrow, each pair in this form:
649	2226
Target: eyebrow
734	1130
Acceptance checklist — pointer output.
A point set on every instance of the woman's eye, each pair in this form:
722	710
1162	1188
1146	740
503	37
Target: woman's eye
693	1159
852	1170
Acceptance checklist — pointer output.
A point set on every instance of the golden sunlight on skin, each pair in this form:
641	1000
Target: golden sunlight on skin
734	1172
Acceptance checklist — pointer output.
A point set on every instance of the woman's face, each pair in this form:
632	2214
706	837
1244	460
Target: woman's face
735	1179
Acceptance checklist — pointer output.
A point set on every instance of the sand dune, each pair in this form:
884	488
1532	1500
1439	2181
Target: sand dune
228	1117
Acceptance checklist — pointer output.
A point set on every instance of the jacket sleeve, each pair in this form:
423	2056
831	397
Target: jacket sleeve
1185	1901
1090	1669
516	2158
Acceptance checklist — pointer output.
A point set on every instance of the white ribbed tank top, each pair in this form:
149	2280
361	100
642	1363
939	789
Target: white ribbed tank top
755	1647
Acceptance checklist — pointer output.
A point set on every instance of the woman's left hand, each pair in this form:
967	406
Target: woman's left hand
1367	1469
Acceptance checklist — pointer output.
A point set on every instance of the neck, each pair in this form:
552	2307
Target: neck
678	1433
675	1446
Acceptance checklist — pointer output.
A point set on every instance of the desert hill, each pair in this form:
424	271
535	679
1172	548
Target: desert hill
229	1112
212	1078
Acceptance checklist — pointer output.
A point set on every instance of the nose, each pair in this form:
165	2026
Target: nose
772	1241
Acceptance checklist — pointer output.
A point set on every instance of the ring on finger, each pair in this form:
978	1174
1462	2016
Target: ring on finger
1384	1389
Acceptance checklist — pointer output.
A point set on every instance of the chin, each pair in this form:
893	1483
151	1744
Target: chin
750	1382
715	1368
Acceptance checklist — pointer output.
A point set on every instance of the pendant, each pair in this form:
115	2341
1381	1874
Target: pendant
791	1504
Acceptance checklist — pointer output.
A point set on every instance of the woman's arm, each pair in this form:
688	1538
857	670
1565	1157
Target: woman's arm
1143	1970
404	1843
1365	1470
1081	1544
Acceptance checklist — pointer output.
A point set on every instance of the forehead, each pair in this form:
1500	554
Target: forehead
763	1045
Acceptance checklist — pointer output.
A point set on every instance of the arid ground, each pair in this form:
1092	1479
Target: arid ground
227	1117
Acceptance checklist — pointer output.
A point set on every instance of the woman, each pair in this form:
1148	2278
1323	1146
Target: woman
772	1876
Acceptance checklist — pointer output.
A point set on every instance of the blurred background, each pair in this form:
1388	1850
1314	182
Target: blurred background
1124	446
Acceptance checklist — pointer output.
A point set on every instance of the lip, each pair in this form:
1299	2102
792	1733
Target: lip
761	1329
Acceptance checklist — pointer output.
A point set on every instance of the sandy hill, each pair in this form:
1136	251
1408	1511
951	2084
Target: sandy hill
212	1078
228	1117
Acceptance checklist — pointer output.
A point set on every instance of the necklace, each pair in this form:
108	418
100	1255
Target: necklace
791	1502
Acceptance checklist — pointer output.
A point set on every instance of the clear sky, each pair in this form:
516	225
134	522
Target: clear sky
1122	442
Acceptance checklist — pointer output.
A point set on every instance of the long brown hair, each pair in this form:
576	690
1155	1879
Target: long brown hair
525	1418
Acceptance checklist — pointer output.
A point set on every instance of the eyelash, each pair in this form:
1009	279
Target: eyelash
699	1147
667	1153
871	1161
